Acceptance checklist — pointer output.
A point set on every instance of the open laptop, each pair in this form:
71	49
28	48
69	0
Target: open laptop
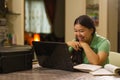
53	55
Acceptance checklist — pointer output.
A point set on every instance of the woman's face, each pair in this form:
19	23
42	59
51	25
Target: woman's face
82	33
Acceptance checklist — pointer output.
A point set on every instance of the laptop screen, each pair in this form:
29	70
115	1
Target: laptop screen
53	55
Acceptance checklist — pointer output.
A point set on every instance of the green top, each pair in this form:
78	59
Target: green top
98	44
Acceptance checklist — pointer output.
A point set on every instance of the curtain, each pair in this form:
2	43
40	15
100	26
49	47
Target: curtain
50	6
36	20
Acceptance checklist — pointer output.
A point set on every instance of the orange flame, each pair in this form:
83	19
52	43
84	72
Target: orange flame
36	37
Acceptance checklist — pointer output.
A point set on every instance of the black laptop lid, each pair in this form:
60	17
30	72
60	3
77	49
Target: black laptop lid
53	55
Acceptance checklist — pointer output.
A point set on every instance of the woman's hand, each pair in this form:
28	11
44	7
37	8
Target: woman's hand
74	44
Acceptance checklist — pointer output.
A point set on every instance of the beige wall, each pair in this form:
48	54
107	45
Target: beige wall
16	21
103	18
113	23
73	9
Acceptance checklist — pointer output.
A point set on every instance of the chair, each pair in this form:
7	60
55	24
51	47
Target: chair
114	58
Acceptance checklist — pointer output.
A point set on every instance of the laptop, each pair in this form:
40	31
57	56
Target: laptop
54	55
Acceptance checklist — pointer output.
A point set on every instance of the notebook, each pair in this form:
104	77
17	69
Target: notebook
53	55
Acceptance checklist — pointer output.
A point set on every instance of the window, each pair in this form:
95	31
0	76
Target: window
36	20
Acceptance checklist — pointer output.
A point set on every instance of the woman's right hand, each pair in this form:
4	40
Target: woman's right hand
74	44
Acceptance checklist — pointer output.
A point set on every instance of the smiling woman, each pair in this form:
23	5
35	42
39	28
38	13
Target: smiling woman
36	20
91	47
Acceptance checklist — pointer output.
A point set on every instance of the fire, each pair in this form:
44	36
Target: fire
36	37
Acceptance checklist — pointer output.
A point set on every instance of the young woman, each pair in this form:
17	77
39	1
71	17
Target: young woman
88	47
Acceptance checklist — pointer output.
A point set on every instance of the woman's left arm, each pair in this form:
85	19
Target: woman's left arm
93	58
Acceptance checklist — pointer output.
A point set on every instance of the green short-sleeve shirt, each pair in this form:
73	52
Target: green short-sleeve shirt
98	44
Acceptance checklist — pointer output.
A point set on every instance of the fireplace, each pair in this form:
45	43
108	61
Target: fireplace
29	37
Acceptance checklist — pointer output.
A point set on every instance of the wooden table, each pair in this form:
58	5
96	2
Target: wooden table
38	73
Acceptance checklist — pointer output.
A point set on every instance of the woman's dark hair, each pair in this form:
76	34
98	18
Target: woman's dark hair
85	21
